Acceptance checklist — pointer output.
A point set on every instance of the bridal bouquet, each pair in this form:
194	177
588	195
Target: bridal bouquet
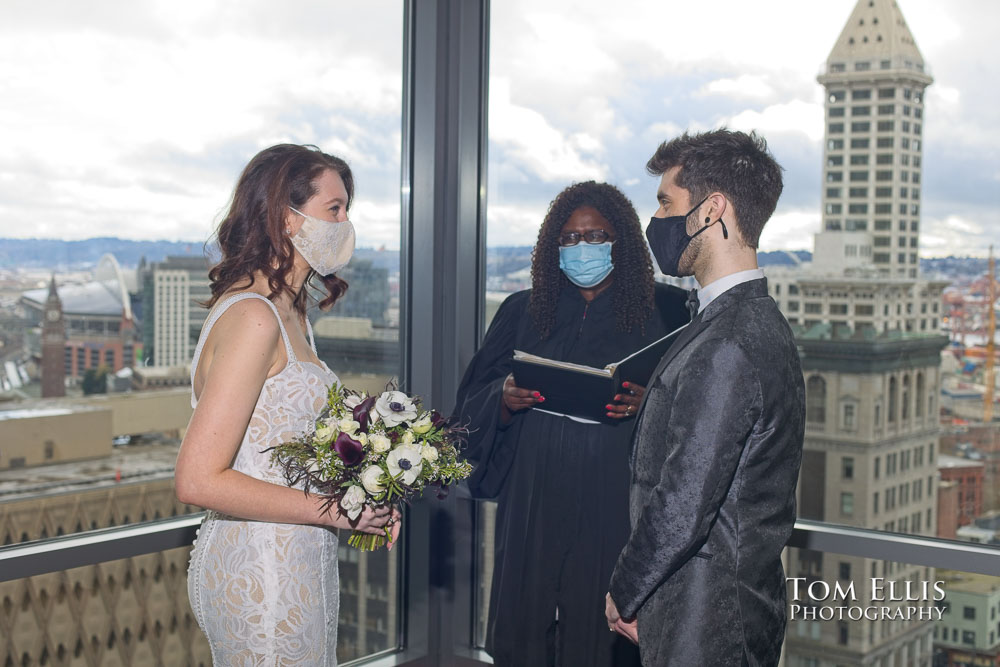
373	451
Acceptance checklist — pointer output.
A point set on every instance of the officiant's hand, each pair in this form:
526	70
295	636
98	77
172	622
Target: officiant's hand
627	402
516	399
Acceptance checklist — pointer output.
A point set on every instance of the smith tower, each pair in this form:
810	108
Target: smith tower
875	80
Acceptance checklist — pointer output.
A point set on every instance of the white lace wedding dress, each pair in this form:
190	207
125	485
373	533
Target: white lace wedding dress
268	593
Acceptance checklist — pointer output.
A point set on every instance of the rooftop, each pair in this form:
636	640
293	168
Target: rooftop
137	463
946	461
968	582
876	29
93	298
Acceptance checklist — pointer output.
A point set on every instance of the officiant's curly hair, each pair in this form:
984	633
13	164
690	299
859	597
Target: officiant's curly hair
251	237
632	288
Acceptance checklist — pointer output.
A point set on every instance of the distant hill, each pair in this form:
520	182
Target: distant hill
80	255
501	260
74	255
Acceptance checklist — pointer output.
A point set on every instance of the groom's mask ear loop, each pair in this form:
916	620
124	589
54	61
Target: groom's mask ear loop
725	232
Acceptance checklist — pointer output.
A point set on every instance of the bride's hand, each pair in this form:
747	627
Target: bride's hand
369	521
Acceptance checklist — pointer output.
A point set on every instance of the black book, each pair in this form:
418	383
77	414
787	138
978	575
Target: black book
584	391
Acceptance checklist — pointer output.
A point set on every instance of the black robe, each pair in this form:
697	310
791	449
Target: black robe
562	486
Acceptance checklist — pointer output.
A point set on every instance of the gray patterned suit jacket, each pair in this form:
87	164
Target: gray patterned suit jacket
715	461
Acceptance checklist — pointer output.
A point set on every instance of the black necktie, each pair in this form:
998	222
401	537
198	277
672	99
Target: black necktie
692	303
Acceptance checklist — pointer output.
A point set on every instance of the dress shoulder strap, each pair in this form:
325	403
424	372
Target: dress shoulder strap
312	339
217	312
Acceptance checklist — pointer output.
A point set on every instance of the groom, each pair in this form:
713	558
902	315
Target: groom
718	440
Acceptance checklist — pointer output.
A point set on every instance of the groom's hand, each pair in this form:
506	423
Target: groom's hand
616	623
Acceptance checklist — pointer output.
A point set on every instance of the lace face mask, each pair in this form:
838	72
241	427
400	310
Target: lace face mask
326	246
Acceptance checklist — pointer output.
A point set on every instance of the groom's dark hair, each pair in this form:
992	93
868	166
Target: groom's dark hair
737	164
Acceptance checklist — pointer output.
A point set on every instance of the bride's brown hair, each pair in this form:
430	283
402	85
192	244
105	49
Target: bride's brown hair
251	237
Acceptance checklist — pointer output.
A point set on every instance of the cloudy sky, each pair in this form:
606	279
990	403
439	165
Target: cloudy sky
134	119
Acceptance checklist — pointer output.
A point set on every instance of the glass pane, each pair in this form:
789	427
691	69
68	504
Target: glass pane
898	435
888	613
132	611
133	126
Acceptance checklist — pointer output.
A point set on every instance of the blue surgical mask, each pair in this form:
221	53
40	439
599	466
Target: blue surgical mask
586	264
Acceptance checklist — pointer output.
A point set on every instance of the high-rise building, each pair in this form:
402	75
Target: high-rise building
869	460
172	312
872	161
868	329
53	345
865	268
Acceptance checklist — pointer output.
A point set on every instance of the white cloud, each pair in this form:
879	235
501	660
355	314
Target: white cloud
514	225
790	230
795	116
745	86
529	139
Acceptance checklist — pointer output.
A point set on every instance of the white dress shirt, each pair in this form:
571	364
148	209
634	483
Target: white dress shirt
714	290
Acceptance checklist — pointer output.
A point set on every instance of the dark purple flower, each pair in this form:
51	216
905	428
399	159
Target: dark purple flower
362	412
349	450
438	419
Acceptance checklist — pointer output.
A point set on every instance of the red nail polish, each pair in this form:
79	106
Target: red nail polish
607	407
541	399
536	394
625	384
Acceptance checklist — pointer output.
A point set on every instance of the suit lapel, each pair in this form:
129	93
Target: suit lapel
748	290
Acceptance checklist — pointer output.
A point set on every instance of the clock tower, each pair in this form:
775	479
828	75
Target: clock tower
53	345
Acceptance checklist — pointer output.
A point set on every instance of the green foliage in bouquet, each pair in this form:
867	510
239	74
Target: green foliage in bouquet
373	451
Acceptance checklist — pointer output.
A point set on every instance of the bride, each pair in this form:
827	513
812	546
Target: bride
263	576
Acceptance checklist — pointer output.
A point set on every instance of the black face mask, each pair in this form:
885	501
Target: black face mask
668	239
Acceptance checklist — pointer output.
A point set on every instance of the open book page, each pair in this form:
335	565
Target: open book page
607	371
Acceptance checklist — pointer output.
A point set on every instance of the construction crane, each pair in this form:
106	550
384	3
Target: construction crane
990	345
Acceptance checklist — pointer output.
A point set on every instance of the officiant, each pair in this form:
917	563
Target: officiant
562	482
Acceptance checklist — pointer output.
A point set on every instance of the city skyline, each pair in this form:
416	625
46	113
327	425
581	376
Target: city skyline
89	169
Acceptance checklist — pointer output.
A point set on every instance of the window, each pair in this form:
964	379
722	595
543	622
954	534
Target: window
883	175
837	96
968	637
969	613
861	94
847	462
859	176
861	110
835	128
886	126
883	158
883	225
859	142
875	503
892	405
860	126
844	572
836	112
815	394
834	160
835	144
847	503
886	93
833	193
857	209
859	159
886	109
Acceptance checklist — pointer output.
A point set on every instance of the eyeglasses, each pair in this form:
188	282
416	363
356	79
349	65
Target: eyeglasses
593	236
